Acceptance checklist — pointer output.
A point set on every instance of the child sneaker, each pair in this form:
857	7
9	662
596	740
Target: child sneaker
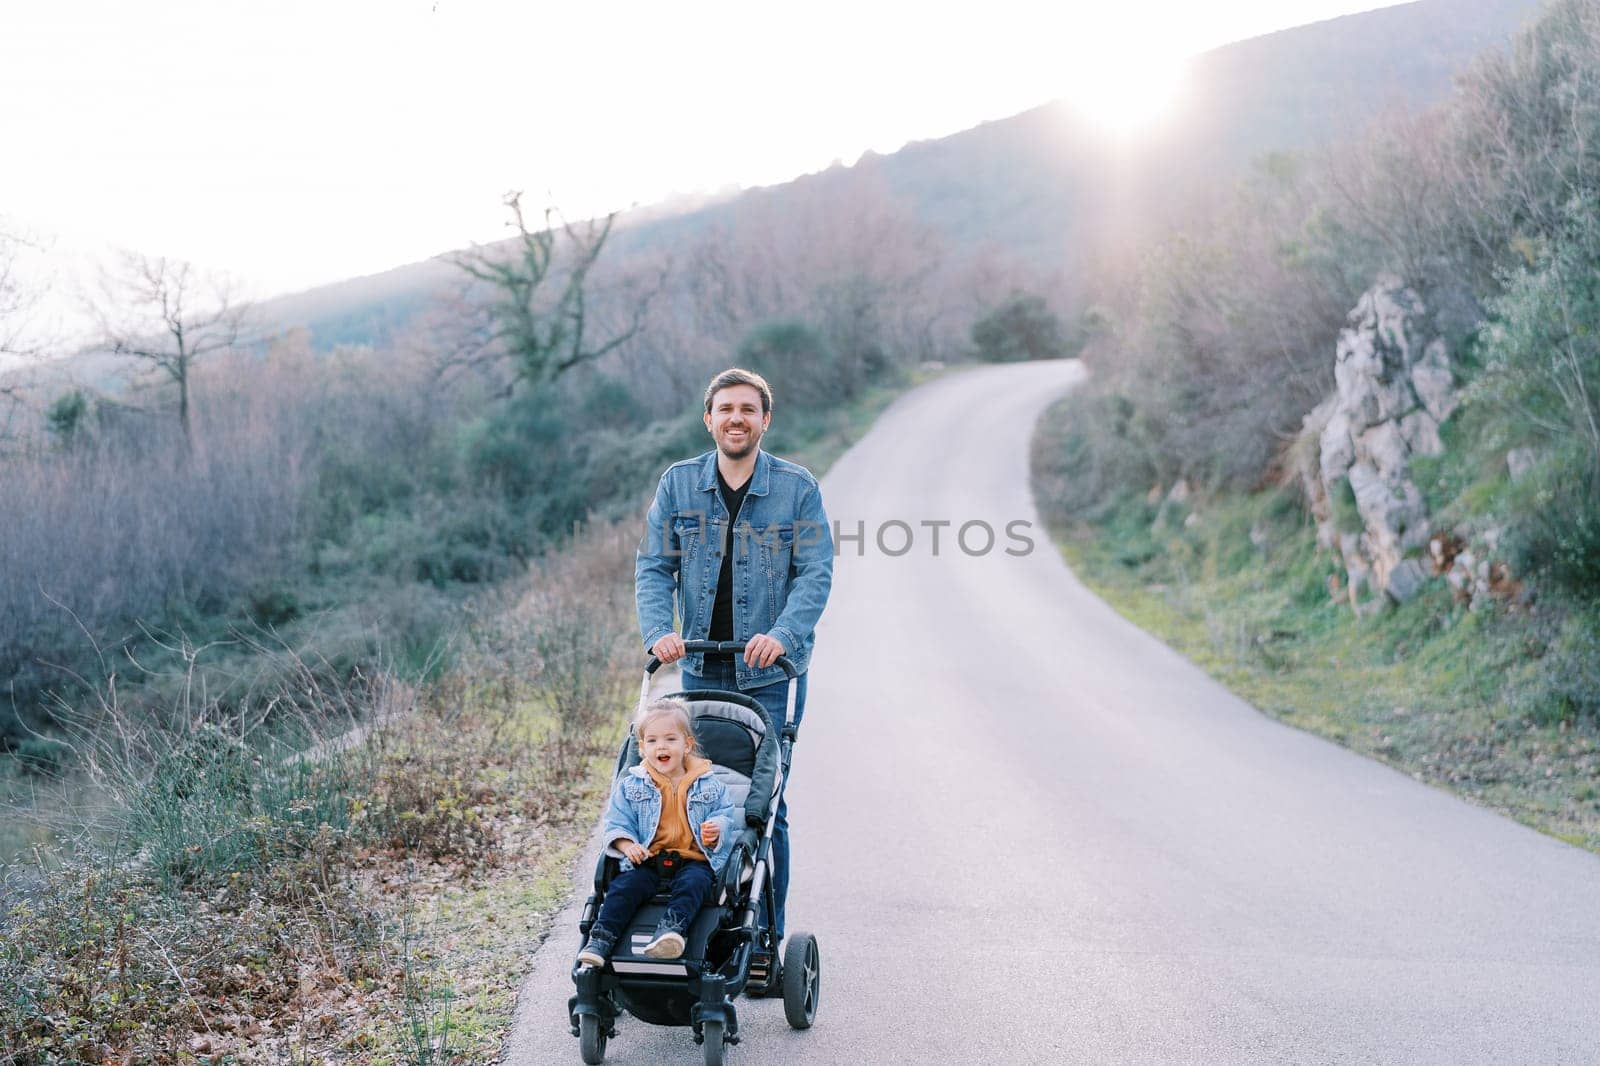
595	952
668	944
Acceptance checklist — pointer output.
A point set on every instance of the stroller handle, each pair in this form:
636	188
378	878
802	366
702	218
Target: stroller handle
731	647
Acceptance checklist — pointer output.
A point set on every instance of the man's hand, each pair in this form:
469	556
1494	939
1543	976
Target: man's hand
632	850
669	648
710	833
762	650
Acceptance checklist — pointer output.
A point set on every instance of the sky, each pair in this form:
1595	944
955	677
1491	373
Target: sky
289	144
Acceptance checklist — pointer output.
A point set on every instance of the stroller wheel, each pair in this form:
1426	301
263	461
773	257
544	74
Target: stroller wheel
802	980
714	1048
591	1040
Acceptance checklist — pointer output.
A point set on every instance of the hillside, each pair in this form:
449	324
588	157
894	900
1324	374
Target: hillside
1341	443
1039	186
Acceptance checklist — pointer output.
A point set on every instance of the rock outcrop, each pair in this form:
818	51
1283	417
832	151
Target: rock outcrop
1394	387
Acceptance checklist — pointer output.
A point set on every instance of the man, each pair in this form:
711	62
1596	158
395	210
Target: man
742	538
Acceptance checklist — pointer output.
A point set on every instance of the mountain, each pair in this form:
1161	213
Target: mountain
1041	185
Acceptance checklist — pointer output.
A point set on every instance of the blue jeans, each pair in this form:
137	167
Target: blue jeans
775	698
627	892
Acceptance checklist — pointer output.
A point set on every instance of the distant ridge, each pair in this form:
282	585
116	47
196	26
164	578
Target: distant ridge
1035	184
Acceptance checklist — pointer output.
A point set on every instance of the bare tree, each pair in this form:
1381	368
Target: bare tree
849	259
14	296
22	337
166	314
536	314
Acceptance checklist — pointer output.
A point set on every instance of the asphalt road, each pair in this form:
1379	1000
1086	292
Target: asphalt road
1025	831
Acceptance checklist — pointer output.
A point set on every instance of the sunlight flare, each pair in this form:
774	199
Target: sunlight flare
1127	92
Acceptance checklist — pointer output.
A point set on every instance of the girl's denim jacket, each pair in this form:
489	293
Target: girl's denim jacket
635	812
782	560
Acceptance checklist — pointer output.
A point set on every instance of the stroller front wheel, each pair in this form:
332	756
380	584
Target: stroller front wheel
714	1047
591	1040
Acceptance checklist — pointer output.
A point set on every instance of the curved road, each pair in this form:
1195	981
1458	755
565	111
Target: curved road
1025	831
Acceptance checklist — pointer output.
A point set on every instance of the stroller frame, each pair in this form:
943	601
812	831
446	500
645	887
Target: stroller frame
733	927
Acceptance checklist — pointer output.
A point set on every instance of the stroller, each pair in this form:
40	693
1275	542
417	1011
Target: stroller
730	948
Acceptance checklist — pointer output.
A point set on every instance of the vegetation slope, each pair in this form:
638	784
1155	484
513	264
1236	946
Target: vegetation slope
1221	340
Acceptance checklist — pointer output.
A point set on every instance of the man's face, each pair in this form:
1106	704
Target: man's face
736	421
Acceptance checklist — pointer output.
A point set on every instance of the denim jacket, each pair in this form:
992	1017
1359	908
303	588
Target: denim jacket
635	812
782	560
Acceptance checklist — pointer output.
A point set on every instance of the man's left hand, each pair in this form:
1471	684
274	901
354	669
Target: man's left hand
762	651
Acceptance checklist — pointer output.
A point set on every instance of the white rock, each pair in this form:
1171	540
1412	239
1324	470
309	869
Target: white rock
1519	461
1434	382
1394	386
1358	572
1384	449
1337	450
1404	581
1420	432
1393	513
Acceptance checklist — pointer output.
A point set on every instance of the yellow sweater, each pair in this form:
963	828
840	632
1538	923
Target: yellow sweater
674	833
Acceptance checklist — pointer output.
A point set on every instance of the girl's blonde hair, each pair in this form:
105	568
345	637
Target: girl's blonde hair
666	707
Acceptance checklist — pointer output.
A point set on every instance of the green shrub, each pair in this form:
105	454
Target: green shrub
1444	478
1540	388
273	605
1021	327
798	362
1129	522
66	416
211	806
1554	528
1091	448
1559	681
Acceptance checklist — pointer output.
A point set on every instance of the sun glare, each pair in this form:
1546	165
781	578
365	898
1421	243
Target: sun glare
1127	94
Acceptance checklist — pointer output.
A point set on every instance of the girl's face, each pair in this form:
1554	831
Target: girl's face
663	744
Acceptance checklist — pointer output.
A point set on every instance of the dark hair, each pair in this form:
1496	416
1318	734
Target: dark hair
736	376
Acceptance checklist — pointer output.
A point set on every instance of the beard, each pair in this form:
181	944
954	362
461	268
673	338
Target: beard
752	439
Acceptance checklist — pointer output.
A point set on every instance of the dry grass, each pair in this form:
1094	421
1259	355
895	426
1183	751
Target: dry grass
227	900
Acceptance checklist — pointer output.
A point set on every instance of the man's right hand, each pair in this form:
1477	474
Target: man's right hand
669	648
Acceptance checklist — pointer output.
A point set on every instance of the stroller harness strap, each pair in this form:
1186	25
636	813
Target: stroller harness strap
668	863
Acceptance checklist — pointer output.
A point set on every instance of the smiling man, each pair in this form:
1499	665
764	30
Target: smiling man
739	538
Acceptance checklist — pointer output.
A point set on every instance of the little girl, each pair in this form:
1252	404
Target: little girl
672	821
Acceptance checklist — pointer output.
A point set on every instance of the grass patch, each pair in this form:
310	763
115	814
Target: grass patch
480	940
463	924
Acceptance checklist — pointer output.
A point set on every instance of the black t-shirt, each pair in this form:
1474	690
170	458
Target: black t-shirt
722	608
